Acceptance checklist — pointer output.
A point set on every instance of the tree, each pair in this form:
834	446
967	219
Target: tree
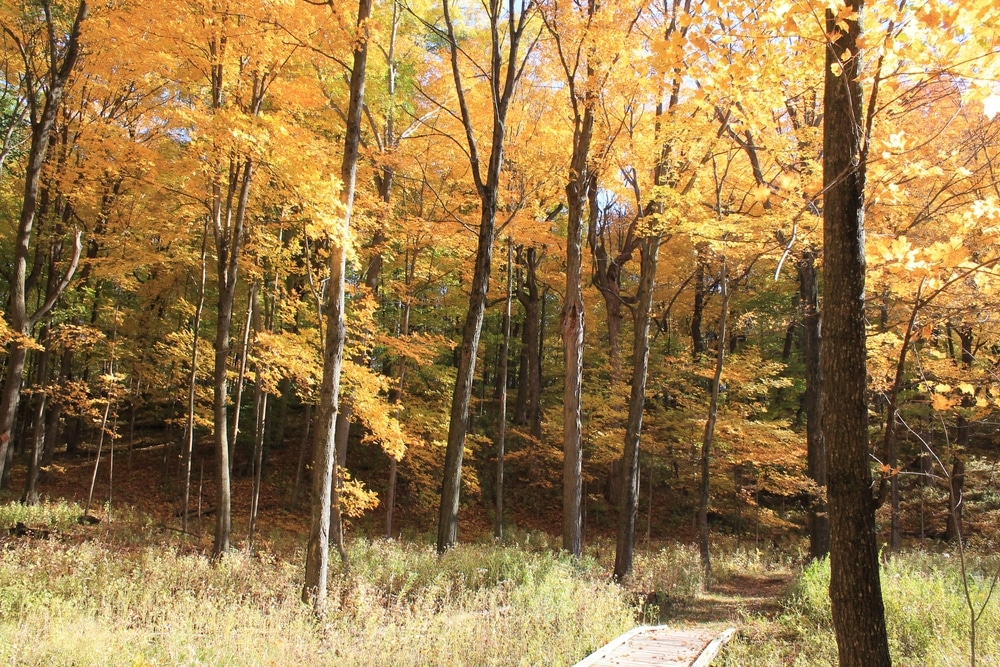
324	449
819	522
45	88
506	66
855	590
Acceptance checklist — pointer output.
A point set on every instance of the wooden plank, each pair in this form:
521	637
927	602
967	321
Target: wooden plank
611	646
660	646
712	650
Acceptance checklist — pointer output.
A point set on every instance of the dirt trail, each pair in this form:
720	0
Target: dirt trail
733	597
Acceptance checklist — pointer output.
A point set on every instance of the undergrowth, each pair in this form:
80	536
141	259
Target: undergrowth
127	595
927	616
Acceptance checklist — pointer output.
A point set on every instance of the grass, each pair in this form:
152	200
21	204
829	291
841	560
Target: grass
926	615
128	595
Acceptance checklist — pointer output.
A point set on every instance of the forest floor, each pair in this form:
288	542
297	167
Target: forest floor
734	597
780	608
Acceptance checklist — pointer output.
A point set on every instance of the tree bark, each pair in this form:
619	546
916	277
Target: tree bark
324	450
502	82
607	272
193	378
963	429
41	128
572	327
819	519
855	590
649	248
528	412
501	441
713	412
30	496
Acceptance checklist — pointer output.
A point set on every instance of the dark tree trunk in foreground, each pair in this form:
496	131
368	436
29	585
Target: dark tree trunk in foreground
819	519
855	590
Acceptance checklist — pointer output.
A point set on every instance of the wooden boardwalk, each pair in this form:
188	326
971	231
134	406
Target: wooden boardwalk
660	646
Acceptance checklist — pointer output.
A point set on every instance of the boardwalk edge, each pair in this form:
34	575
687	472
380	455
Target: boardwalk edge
713	648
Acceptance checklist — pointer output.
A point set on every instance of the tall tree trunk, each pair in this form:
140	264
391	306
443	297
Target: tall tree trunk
53	413
891	440
572	324
260	424
502	402
963	429
404	332
628	508
529	294
30	496
458	421
502	81
228	228
324	451
819	520
572	335
855	590
713	412
56	78
241	373
223	498
193	379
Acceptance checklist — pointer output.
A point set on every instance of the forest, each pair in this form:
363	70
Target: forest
652	293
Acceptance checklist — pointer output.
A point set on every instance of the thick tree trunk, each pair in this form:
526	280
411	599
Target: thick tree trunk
572	334
628	508
855	590
223	498
577	198
819	519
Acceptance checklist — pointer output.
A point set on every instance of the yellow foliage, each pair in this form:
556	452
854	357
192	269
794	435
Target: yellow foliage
355	499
